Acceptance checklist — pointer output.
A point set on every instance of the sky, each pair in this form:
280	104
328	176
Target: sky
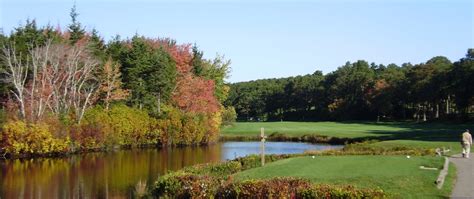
280	38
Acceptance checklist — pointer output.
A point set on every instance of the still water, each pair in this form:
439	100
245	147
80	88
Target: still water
119	174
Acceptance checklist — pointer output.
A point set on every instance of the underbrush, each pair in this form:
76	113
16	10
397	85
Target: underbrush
366	148
103	129
311	138
194	186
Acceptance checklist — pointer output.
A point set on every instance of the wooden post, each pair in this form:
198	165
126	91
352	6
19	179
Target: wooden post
262	145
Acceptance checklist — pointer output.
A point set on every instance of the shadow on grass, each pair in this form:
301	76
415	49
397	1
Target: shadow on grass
417	131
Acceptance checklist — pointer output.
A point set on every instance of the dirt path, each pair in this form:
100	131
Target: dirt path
464	186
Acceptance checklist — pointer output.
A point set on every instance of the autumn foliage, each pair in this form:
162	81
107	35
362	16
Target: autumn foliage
72	92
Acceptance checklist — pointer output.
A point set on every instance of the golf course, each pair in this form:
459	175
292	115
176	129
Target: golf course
400	176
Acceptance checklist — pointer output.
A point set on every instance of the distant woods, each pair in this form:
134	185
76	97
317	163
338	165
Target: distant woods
435	90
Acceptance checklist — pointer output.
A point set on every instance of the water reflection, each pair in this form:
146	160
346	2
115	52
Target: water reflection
119	174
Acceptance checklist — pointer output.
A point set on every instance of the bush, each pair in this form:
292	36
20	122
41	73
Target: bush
330	191
228	116
181	185
186	186
119	126
365	148
216	169
21	138
253	161
273	188
132	126
180	128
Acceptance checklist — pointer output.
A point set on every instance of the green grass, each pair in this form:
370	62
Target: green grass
397	175
349	130
454	146
422	135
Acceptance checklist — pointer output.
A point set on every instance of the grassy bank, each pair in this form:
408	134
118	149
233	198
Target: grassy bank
397	175
419	135
217	180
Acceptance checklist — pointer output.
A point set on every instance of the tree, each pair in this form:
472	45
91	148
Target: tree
197	61
348	89
149	73
462	77
111	84
195	94
228	116
61	79
16	73
76	31
217	70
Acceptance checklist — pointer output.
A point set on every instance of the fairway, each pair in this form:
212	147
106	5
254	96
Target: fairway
397	175
334	129
419	135
347	129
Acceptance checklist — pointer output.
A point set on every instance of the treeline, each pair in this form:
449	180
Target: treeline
68	91
436	89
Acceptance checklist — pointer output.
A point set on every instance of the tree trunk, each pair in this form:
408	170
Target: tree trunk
159	102
437	111
447	106
424	114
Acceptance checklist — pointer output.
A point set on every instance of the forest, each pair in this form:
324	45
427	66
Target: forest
67	91
435	90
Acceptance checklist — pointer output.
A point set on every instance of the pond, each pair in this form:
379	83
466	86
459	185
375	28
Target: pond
119	174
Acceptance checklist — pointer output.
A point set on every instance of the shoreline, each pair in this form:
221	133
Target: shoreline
313	139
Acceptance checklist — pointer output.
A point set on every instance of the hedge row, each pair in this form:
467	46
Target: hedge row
194	186
305	138
366	148
101	129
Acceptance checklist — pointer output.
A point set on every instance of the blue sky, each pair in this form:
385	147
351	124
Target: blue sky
266	39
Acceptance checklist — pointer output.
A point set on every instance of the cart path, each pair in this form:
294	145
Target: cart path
464	186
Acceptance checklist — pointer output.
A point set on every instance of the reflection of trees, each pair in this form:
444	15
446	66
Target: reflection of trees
97	175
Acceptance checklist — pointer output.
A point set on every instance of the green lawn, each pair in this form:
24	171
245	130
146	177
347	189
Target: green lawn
423	135
397	175
349	130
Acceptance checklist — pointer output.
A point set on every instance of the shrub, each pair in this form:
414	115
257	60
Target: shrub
312	138
119	126
253	161
3	116
21	138
365	148
228	116
215	169
186	186
180	128
95	130
181	185
331	191
132	126
273	188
